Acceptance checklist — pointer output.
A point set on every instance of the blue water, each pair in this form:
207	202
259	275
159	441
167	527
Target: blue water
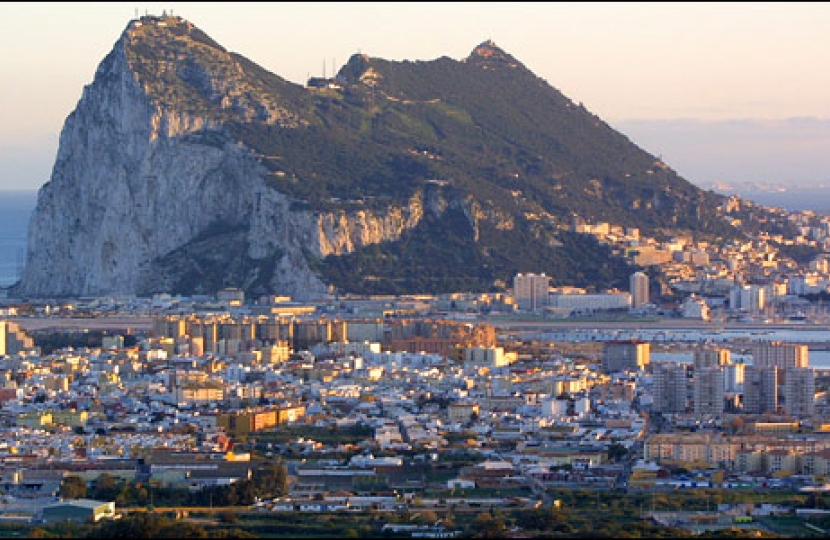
794	199
15	210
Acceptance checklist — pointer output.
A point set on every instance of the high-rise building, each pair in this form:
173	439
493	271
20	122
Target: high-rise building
780	355
531	291
760	389
800	391
734	377
638	286
708	356
709	390
748	298
625	355
670	387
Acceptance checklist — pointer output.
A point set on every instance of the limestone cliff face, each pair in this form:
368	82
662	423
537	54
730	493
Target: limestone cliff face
142	181
187	168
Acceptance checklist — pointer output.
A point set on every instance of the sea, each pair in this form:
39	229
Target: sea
16	208
793	199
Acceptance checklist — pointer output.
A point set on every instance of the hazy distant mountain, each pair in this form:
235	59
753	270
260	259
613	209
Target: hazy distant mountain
186	168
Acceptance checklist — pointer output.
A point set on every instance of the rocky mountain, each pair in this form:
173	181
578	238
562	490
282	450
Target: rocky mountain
186	168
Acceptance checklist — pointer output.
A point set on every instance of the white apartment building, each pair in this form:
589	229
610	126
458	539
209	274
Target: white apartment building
709	390
704	357
734	377
531	291
638	285
749	298
781	355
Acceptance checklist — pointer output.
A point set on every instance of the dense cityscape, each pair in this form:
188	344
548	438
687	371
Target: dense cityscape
441	406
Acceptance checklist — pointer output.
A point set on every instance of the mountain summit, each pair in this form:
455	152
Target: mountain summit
490	51
186	168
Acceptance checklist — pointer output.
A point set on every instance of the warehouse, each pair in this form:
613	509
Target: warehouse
79	511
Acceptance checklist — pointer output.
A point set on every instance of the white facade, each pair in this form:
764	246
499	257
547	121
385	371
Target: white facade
582	406
696	308
749	298
591	302
781	355
489	357
734	378
554	407
638	285
531	291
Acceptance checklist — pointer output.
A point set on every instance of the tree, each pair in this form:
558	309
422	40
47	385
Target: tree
182	529
271	479
228	517
616	452
735	424
142	525
486	525
73	487
231	533
427	516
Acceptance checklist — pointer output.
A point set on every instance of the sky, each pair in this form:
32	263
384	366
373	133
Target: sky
723	92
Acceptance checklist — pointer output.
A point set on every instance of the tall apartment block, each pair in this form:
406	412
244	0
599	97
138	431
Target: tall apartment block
780	355
708	356
531	291
760	389
734	374
709	390
638	287
624	355
749	298
800	391
670	387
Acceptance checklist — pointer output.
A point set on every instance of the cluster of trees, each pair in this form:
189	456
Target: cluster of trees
270	479
150	525
440	255
567	513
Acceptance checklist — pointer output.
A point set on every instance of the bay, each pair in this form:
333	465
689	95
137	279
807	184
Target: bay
16	208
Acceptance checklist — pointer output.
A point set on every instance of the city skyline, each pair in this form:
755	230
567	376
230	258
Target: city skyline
674	77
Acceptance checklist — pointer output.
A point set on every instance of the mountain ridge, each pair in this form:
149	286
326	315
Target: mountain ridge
352	186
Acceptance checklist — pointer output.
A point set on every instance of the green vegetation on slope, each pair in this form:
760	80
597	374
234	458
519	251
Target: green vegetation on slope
500	138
